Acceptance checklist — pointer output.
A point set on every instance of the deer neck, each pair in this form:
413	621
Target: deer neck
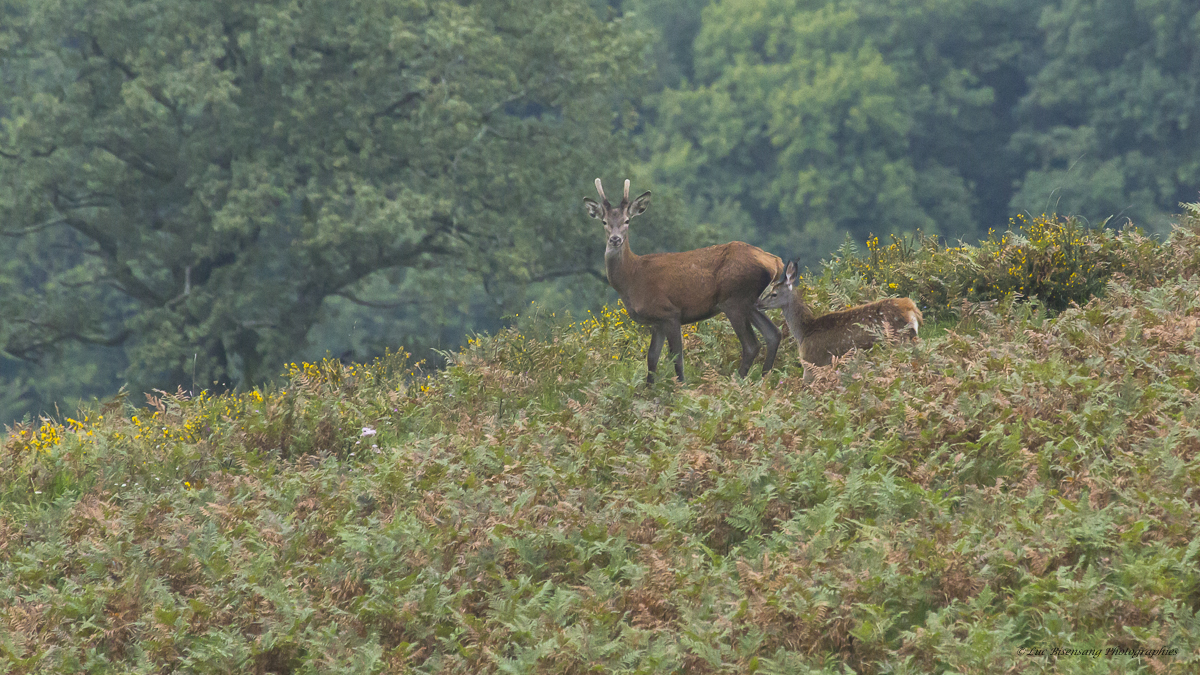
620	264
798	316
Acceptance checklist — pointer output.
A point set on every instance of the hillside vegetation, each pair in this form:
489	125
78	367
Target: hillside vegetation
1023	478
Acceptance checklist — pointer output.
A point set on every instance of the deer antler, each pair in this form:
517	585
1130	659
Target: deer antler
625	200
600	189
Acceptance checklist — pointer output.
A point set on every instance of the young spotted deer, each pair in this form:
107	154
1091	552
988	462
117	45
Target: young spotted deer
823	337
666	291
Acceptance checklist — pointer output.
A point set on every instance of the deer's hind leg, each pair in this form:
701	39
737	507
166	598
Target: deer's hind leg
675	347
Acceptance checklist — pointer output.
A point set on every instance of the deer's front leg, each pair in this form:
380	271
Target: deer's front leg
656	342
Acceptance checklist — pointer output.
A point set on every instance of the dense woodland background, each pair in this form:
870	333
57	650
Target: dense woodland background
193	193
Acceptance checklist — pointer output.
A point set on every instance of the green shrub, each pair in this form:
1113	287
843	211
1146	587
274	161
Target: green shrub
1058	260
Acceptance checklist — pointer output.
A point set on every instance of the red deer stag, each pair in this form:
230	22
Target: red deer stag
666	291
823	337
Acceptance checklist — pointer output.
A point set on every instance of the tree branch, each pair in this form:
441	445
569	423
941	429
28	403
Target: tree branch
138	162
32	351
114	341
378	305
127	282
590	271
405	100
384	259
130	74
500	104
33	228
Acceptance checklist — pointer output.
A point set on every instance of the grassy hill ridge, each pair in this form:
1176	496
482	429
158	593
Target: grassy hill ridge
1019	480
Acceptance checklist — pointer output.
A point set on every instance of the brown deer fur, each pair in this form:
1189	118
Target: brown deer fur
823	337
666	291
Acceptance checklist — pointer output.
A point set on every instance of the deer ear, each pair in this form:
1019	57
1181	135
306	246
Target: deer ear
789	273
639	205
594	210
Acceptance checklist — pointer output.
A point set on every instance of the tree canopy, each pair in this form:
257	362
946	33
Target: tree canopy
185	186
808	120
1111	123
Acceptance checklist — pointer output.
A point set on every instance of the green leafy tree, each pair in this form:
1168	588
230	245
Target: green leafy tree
807	120
188	189
810	119
1109	127
676	24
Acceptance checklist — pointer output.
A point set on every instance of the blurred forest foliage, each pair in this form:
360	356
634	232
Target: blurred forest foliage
193	193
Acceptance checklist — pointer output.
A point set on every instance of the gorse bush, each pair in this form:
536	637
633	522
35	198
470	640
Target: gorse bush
1020	481
1059	260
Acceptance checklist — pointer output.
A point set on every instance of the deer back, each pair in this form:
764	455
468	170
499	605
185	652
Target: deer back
692	284
860	327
